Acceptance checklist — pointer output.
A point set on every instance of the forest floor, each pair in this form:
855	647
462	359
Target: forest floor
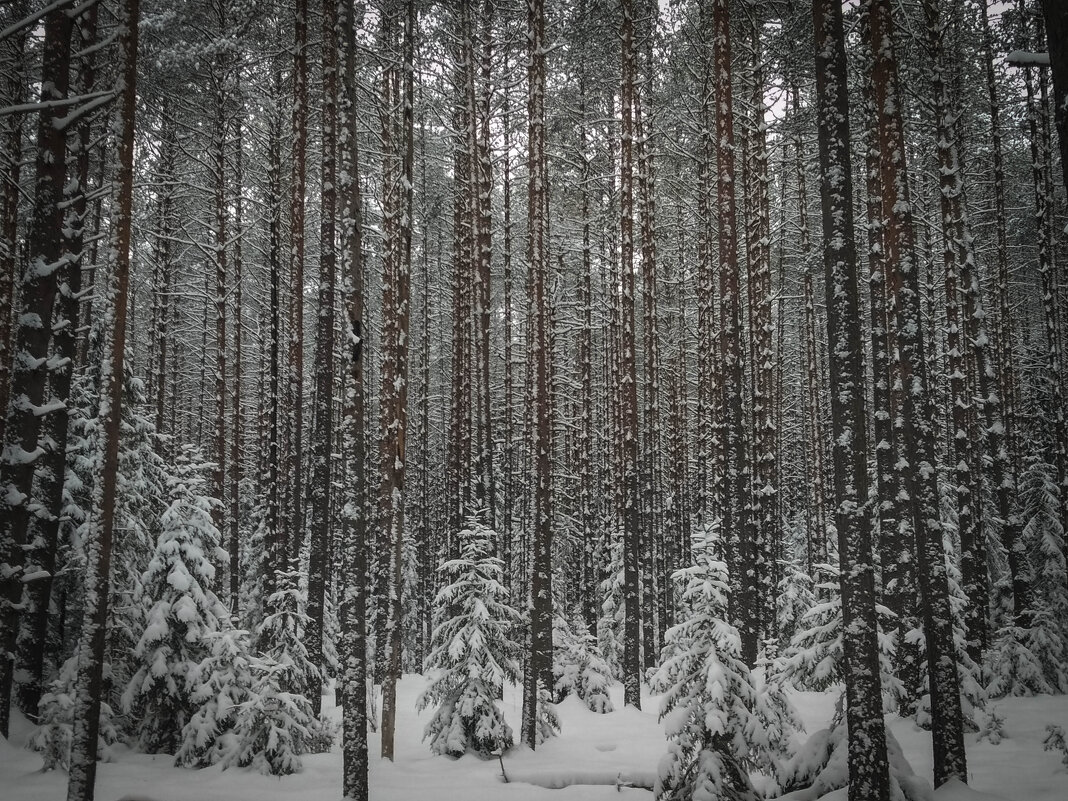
594	757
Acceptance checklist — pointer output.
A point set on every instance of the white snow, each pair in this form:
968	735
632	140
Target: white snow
621	747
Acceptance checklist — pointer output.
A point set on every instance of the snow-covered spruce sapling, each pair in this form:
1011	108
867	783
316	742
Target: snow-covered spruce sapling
472	653
796	595
716	718
610	621
992	727
578	668
275	725
814	658
52	738
181	612
223	682
1054	741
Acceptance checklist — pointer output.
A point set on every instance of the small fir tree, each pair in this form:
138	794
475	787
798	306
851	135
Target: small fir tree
720	725
181	612
472	653
275	726
610	621
222	683
796	595
52	738
814	659
1029	653
578	667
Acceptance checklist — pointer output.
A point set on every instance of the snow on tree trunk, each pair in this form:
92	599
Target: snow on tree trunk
868	768
81	785
38	284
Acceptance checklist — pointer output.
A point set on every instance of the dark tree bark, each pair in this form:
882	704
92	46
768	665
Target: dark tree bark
397	276
869	777
538	675
38	287
1056	15
51	471
298	190
13	91
88	685
632	615
353	557
918	432
739	543
323	436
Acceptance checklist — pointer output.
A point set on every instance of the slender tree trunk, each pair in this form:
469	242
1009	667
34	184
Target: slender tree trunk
237	426
353	558
538	675
869	776
277	546
396	418
88	685
628	377
296	276
323	437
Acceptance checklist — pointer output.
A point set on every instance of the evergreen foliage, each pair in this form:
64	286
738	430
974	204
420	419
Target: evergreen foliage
578	667
275	726
472	653
720	725
52	738
814	659
181	613
610	621
223	683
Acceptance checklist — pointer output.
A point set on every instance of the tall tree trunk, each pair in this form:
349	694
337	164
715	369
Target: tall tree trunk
296	276
323	436
918	433
739	545
38	286
628	377
353	577
869	775
395	417
275	524
538	675
87	689
1056	15
237	426
44	524
13	91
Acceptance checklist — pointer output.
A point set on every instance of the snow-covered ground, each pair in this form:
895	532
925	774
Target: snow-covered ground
586	761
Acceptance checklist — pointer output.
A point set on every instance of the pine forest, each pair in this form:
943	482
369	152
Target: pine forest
494	399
